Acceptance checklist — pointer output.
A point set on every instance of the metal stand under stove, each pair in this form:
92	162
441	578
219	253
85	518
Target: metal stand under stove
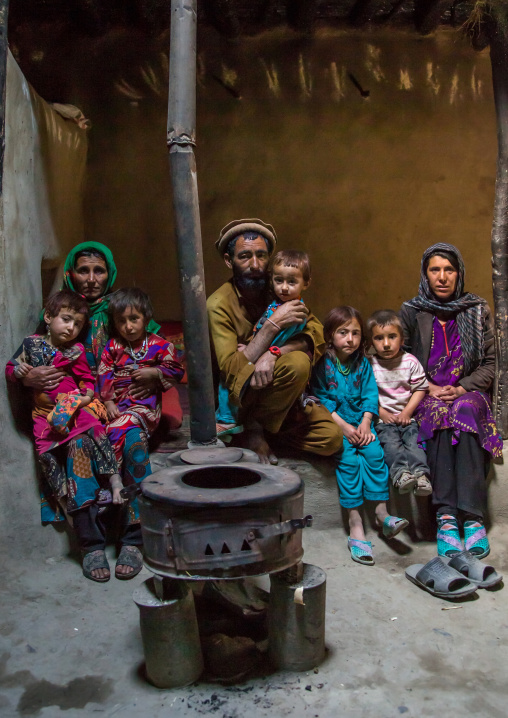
215	514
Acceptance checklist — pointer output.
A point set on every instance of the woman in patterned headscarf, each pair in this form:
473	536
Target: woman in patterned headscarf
451	333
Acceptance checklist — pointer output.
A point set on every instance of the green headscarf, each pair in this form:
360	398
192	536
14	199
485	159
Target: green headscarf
70	263
99	317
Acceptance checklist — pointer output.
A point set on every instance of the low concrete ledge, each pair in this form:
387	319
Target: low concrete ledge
321	500
321	495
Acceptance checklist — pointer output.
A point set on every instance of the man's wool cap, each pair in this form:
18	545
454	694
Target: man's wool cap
239	226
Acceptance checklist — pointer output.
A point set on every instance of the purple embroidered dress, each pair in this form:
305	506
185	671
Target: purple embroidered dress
471	412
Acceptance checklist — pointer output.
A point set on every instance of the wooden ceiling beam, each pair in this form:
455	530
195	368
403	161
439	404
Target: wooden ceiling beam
89	17
224	17
428	14
301	15
268	13
365	11
155	14
480	39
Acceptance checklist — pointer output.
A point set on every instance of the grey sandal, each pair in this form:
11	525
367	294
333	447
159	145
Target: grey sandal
129	556
92	561
439	579
481	574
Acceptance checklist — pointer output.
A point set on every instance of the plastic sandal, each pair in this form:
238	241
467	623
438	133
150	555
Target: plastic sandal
439	579
392	525
405	483
475	539
129	556
228	429
481	574
361	551
92	561
448	537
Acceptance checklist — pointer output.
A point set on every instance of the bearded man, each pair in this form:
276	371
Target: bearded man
264	381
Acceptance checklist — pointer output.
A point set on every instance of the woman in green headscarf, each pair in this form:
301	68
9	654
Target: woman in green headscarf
90	270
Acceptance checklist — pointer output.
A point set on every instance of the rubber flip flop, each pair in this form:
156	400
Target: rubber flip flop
481	574
361	551
439	579
392	525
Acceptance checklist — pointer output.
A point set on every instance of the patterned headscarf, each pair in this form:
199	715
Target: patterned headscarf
469	309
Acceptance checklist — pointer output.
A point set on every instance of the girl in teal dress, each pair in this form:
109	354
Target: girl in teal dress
344	382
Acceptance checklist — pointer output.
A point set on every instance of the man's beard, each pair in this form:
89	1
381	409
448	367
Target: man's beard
251	285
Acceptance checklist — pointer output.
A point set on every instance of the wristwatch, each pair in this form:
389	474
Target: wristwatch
275	351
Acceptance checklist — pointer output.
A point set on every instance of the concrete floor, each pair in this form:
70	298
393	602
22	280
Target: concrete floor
70	647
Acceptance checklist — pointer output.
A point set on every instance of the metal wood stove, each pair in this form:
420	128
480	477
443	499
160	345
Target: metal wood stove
221	520
212	515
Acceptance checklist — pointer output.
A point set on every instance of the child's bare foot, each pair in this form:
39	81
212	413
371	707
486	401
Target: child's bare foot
116	486
359	547
381	513
356	530
389	525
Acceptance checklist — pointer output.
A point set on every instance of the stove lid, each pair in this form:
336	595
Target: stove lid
213	455
221	485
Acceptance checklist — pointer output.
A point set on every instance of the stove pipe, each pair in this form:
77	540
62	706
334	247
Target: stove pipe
181	139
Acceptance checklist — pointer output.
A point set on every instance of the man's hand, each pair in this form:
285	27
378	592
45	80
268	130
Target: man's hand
111	410
290	313
43	378
263	371
145	383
